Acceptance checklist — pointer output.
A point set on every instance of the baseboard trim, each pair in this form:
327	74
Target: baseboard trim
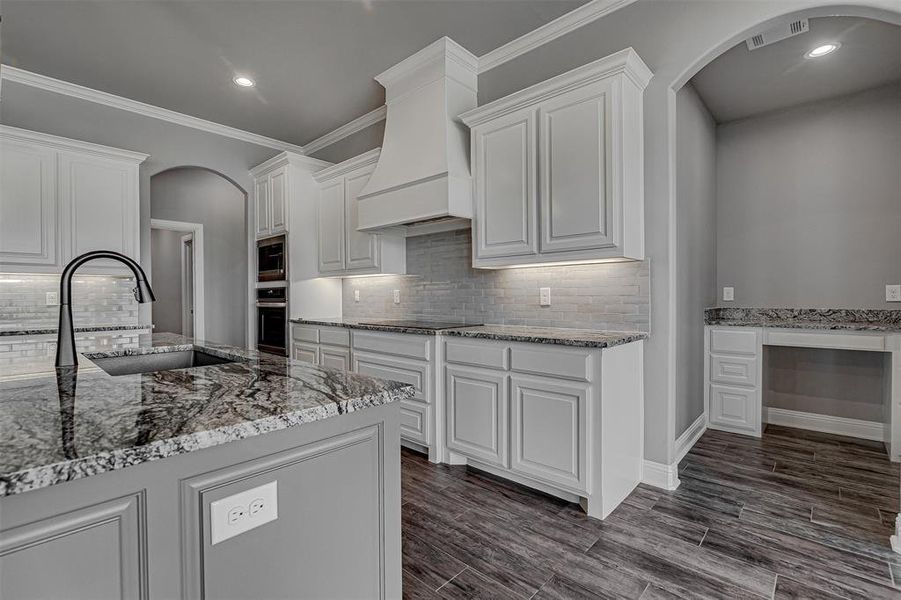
660	475
690	437
867	430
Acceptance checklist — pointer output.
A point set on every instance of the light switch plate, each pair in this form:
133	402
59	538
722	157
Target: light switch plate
728	294
397	296
356	295
544	296
893	293
242	512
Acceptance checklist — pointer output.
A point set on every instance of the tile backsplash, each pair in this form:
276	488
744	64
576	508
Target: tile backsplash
441	284
96	300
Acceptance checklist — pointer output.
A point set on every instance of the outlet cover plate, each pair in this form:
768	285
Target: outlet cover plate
893	293
544	296
728	294
233	516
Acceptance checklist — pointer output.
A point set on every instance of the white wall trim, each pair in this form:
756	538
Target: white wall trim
147	110
660	475
690	437
347	130
868	430
562	25
197	230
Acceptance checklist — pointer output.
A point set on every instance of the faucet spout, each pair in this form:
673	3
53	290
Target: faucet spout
65	340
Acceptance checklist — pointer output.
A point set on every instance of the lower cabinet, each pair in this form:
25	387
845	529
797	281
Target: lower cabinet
335	358
477	413
548	434
733	379
305	352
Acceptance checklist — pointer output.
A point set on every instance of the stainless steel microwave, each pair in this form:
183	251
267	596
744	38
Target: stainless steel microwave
272	259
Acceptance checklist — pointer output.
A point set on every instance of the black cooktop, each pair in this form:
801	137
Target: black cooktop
414	324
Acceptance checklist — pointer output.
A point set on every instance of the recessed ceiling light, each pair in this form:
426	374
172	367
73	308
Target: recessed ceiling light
242	81
823	50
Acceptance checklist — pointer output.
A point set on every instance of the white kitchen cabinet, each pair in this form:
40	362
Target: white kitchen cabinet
271	193
343	250
305	352
477	401
558	168
733	379
335	358
548	437
60	198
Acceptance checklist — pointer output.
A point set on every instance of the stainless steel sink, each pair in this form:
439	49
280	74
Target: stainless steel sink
160	361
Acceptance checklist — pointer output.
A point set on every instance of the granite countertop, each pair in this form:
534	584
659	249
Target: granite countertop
49	330
52	431
836	319
562	336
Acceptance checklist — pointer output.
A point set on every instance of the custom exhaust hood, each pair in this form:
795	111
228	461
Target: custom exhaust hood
423	171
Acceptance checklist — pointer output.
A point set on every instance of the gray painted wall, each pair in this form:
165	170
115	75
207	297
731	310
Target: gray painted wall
441	284
165	250
808	211
200	196
695	247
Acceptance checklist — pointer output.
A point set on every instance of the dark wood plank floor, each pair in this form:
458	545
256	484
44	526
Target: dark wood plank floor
795	514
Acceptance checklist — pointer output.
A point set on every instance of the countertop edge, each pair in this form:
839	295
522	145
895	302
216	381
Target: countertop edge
85	329
43	476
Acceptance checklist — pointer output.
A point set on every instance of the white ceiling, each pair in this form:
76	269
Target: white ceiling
740	83
313	60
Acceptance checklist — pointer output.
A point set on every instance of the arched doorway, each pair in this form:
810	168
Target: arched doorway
199	254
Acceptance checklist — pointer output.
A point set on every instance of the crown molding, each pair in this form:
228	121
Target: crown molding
625	61
443	48
61	143
351	164
290	158
346	130
81	92
562	25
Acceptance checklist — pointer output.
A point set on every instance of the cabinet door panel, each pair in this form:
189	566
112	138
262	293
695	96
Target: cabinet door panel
336	358
577	200
505	171
261	191
361	249
28	209
414	421
735	409
331	227
278	194
549	430
477	414
305	352
100	202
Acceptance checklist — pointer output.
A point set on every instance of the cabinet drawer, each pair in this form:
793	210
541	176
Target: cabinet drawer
305	333
414	373
553	361
847	341
414	421
741	370
486	355
735	409
334	336
734	341
413	346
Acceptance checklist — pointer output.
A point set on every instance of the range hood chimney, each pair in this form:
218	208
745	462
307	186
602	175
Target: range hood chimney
423	171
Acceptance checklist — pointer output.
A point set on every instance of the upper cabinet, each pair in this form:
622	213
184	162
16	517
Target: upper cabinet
60	198
343	249
558	168
271	193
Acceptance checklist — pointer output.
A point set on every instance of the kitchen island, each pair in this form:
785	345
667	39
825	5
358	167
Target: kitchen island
110	484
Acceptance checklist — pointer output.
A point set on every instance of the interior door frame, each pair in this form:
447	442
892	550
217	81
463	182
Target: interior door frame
187	293
196	232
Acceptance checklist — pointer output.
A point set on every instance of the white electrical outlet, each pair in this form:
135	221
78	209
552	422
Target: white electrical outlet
728	294
397	296
356	295
52	298
242	512
544	296
893	293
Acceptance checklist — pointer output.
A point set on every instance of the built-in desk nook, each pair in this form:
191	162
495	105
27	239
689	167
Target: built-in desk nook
749	350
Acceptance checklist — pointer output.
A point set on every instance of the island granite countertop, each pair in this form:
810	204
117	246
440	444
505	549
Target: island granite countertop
561	336
52	430
836	319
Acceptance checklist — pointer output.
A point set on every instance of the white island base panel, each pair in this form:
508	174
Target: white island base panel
734	380
568	422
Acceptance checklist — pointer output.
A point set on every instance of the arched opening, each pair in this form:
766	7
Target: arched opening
199	254
785	196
